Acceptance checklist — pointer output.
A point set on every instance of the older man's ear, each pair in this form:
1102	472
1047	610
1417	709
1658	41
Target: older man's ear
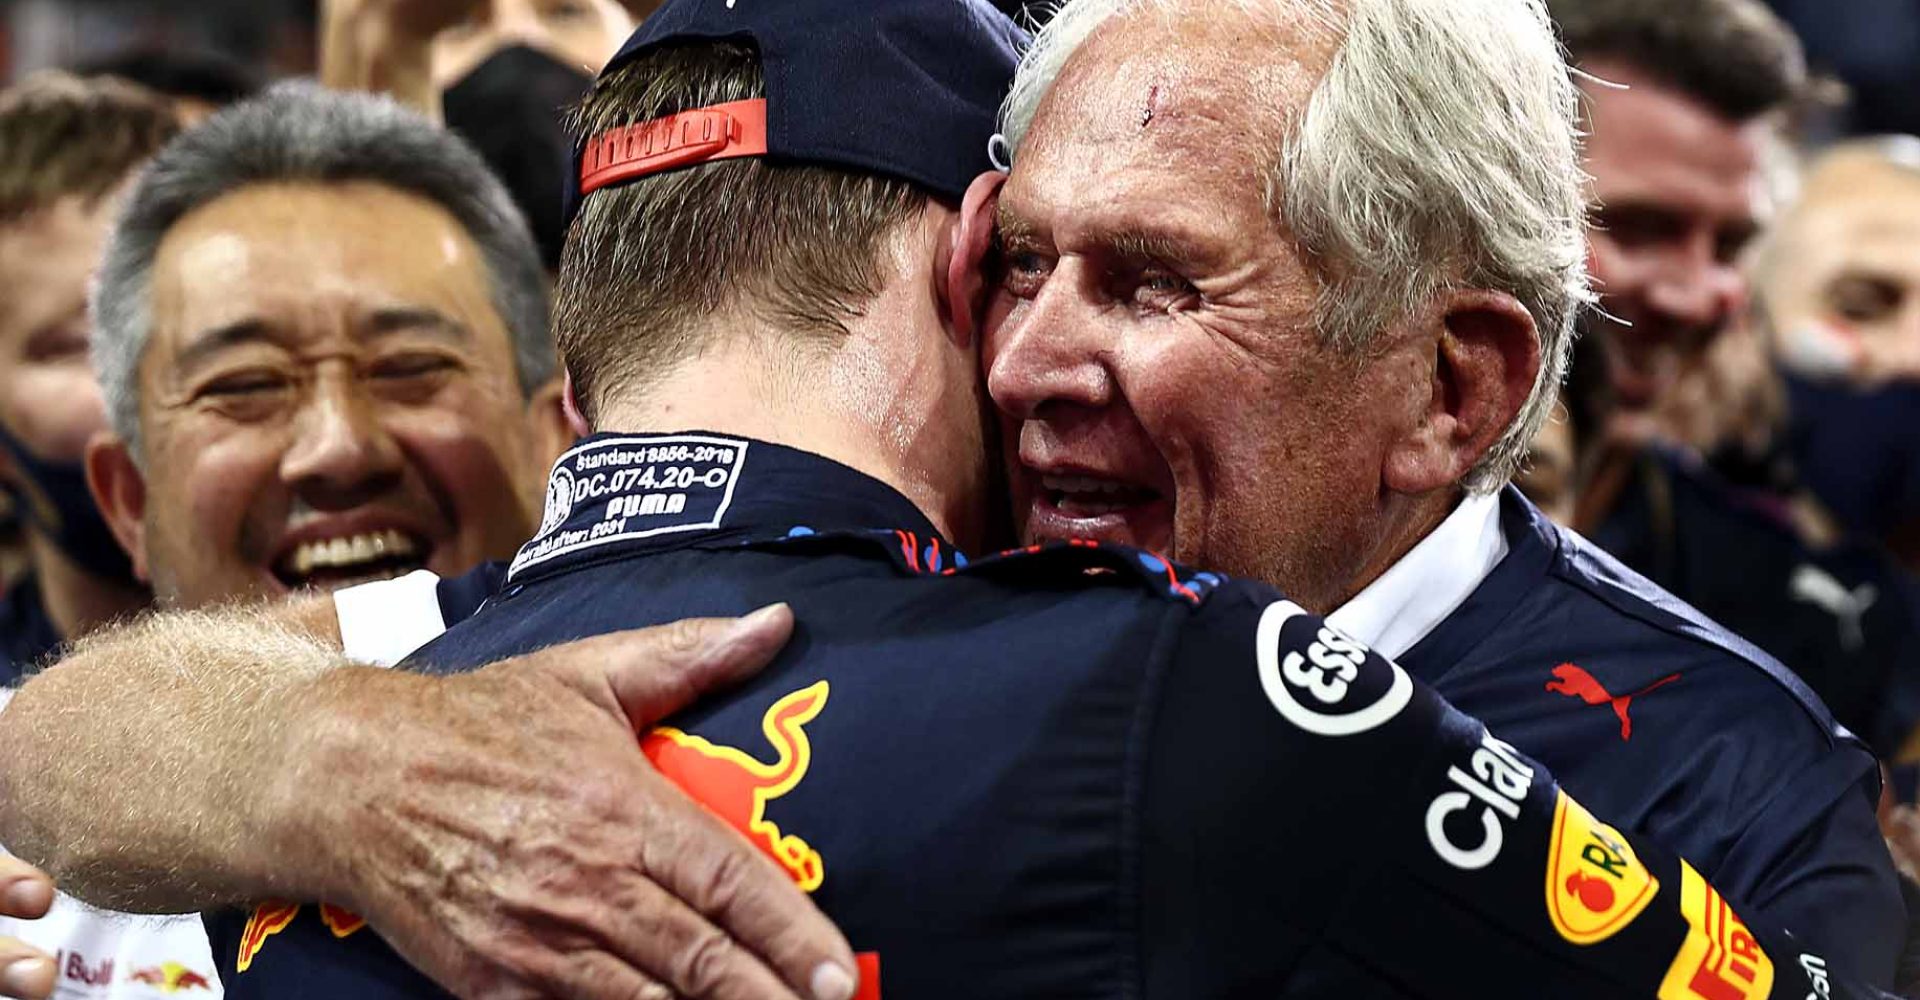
120	490
1485	356
962	279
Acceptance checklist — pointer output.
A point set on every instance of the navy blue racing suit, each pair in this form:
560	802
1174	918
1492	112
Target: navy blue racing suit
1070	771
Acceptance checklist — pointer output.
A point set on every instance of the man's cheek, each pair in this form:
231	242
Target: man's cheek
998	314
224	482
205	503
480	469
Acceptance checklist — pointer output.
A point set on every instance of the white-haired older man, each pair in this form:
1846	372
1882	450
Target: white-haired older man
1285	288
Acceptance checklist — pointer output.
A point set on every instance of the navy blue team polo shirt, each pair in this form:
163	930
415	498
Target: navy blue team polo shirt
1068	771
1664	722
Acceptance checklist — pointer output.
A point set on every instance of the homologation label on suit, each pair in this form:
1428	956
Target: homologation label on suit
615	489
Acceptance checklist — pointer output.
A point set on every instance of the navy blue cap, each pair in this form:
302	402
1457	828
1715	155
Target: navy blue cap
906	88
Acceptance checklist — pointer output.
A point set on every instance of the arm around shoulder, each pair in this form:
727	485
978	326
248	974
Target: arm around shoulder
130	766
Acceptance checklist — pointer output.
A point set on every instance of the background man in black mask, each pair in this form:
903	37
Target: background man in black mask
1839	297
1837	292
497	71
66	149
1686	101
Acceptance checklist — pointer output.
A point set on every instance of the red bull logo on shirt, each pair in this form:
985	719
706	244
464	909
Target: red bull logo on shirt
1595	886
274	916
171	977
1720	960
737	786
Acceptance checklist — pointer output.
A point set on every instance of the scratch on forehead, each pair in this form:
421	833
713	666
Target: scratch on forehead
1153	102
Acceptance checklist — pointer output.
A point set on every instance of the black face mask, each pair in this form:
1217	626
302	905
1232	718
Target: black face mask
57	503
509	108
1859	452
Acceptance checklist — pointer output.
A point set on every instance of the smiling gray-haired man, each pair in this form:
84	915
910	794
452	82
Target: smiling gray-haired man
321	332
1284	288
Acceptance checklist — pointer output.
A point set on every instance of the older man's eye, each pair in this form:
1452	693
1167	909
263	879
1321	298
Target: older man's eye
1163	291
1024	271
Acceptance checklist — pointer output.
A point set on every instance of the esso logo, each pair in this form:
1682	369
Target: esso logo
1322	681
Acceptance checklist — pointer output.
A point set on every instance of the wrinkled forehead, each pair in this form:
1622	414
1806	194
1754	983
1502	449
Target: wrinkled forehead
294	249
1163	84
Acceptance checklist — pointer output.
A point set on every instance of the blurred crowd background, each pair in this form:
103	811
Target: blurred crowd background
1873	46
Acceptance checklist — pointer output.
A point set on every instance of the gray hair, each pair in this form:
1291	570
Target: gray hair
300	132
1439	151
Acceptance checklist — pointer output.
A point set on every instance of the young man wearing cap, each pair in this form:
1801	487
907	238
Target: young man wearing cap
809	427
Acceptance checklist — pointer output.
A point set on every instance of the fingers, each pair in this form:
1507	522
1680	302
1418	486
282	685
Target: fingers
25	973
688	956
25	891
596	975
652	673
721	878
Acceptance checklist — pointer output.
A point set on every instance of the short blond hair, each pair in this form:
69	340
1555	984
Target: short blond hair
804	247
63	136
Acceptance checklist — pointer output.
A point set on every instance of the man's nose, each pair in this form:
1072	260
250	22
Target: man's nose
341	455
1050	351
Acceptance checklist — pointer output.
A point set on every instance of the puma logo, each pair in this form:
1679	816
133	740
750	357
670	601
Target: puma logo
1821	589
1575	682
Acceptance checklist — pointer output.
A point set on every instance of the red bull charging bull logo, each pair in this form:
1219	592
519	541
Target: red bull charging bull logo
733	784
274	916
171	977
737	786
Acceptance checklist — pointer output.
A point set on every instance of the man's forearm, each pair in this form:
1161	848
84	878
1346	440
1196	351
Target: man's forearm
196	760
144	771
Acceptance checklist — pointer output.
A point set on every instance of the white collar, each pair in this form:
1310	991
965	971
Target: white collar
1429	583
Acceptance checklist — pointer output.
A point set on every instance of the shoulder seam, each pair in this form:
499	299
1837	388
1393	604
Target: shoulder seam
1748	655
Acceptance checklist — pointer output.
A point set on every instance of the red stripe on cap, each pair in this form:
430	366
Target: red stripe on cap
718	132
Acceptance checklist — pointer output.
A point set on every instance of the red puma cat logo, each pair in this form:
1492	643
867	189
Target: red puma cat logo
1575	682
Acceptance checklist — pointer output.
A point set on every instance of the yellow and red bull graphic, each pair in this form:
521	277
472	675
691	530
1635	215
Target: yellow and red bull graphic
275	915
1720	959
737	786
1595	886
171	977
733	784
